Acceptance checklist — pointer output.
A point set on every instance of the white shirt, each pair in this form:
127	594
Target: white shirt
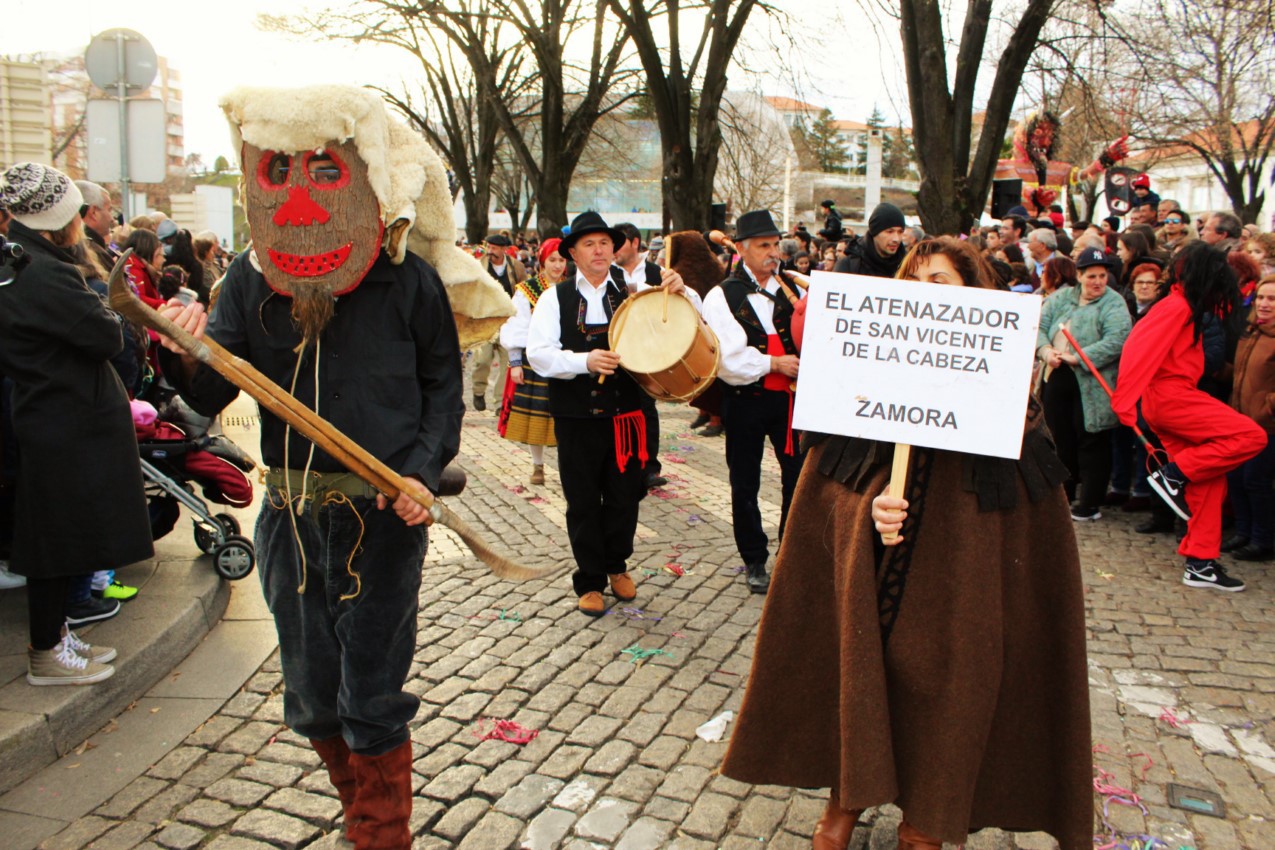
544	336
638	275
513	333
741	364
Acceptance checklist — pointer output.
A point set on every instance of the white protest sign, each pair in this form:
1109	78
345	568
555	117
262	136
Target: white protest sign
924	364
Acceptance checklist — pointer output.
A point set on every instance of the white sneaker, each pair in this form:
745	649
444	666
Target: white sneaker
100	654
8	580
62	665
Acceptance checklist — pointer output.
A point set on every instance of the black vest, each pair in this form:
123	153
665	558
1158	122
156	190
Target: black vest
504	278
737	290
582	396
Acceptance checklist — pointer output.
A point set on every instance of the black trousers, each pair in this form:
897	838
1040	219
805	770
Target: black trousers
1087	455
602	500
46	609
652	416
749	420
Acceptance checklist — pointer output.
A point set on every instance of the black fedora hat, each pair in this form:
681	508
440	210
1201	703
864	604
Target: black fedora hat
755	223
584	224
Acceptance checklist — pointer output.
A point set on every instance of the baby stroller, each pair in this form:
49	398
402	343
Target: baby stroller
172	463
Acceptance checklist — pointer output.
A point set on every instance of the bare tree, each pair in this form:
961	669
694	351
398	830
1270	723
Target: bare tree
570	98
1209	92
449	108
955	180
686	94
755	148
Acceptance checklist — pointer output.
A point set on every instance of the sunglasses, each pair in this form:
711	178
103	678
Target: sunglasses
1174	221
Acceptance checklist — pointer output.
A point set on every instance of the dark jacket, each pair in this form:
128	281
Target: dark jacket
390	377
80	502
862	258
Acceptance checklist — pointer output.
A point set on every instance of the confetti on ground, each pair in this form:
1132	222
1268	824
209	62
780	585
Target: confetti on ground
675	569
517	489
674	459
693	519
1173	720
735	570
634	614
488	729
512	616
638	654
538	500
1102	574
646	572
661	493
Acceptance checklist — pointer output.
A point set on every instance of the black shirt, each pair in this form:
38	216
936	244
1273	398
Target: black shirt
389	372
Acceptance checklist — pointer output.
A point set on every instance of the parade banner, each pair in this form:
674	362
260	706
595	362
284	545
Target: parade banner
923	364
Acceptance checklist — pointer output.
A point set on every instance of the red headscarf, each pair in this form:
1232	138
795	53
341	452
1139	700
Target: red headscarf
549	246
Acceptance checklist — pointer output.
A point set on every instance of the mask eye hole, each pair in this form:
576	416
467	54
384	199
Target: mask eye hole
274	170
326	170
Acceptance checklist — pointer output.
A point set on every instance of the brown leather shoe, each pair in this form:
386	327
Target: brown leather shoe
593	604
538	473
911	838
834	829
623	587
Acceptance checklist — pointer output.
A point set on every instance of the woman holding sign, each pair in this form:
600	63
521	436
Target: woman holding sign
944	671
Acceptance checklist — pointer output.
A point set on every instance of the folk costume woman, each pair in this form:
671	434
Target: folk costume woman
945	673
1161	366
524	416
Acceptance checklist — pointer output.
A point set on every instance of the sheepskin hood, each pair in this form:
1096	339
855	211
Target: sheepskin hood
406	174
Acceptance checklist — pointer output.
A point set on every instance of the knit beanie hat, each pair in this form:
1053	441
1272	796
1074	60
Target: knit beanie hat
884	217
39	196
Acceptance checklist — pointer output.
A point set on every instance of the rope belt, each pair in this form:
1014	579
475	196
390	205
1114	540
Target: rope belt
317	485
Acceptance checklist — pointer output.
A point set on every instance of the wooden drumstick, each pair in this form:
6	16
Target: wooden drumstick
898	479
668	264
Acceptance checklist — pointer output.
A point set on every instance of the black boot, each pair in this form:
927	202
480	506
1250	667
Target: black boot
758	581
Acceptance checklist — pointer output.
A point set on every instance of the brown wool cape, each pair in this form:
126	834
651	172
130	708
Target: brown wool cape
946	675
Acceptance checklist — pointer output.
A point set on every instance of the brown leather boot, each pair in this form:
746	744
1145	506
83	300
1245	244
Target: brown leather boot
835	827
911	838
336	758
377	819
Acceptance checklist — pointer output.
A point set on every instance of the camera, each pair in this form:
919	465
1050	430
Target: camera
12	260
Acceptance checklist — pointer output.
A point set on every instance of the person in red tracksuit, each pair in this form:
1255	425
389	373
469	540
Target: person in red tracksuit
1162	362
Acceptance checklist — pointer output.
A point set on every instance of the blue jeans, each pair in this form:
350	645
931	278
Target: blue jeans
344	659
1252	498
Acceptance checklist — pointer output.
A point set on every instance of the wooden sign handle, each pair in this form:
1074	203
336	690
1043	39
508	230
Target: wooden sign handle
898	478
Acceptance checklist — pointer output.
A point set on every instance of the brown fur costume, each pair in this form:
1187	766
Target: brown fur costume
694	261
946	674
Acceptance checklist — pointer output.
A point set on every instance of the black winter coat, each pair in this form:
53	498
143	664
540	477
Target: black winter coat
80	503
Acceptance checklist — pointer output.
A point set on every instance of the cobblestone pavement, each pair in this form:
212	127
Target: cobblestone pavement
1183	691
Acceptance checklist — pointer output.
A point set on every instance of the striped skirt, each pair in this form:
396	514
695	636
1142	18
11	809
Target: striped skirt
524	415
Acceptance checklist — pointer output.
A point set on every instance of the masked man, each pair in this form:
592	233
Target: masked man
330	305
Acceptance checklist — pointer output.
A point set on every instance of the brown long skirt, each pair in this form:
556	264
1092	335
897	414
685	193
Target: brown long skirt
946	675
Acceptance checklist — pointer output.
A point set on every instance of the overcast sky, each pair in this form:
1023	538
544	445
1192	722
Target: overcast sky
217	46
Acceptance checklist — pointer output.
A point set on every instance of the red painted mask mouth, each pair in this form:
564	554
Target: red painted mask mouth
313	265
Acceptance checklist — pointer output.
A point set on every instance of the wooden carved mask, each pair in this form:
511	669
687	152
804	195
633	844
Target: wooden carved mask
316	225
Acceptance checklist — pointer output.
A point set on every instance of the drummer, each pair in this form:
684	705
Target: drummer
596	408
751	314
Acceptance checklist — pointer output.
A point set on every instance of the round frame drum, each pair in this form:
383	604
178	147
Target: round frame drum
665	344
